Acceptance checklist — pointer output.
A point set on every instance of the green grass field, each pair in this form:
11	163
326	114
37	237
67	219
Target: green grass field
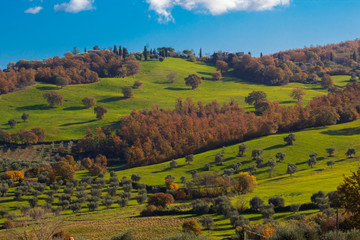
294	189
71	120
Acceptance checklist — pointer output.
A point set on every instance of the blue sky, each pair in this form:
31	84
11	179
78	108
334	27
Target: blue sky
39	29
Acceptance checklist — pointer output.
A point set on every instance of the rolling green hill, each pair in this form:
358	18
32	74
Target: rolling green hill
297	188
71	120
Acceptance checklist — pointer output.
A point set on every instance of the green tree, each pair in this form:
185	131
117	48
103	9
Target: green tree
255	97
290	139
89	102
291	169
280	156
298	94
193	80
242	150
100	112
189	159
25	117
350	152
128	92
54	98
330	151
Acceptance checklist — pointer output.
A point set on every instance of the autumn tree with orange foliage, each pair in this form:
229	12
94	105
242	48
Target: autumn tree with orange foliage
64	170
13	175
161	200
86	163
244	183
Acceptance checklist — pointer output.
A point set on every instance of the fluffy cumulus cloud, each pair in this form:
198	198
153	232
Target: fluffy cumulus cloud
75	6
34	10
214	7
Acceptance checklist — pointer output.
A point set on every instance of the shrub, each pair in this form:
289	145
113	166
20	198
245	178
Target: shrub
141	198
216	76
53	98
123	202
161	199
277	201
295	208
200	207
8	224
207	222
89	102
256	203
3	212
137	84
267	211
12	123
128	92
186	236
149	210
100	112
124	236
191	226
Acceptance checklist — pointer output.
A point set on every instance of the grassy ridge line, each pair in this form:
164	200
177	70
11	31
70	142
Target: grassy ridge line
71	120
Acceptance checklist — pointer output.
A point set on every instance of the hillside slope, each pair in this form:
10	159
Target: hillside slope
71	120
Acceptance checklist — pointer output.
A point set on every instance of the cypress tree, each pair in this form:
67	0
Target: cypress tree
200	55
261	54
115	50
145	53
120	51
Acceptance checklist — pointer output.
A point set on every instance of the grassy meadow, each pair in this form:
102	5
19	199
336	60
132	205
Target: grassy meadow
294	189
71	120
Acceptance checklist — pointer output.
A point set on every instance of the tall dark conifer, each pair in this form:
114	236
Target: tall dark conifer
145	53
200	55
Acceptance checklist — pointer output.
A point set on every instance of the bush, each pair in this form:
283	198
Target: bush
8	224
216	76
207	222
200	207
89	102
148	211
295	207
161	199
124	236
186	236
277	201
128	92
137	84
191	226
256	203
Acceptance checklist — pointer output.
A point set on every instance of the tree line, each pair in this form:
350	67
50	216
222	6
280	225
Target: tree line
71	69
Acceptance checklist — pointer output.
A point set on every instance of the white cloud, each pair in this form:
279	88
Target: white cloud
75	6
34	10
215	7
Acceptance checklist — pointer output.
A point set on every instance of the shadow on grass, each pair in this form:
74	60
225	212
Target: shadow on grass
34	107
343	132
286	102
112	99
74	108
47	88
77	123
275	147
177	89
204	73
